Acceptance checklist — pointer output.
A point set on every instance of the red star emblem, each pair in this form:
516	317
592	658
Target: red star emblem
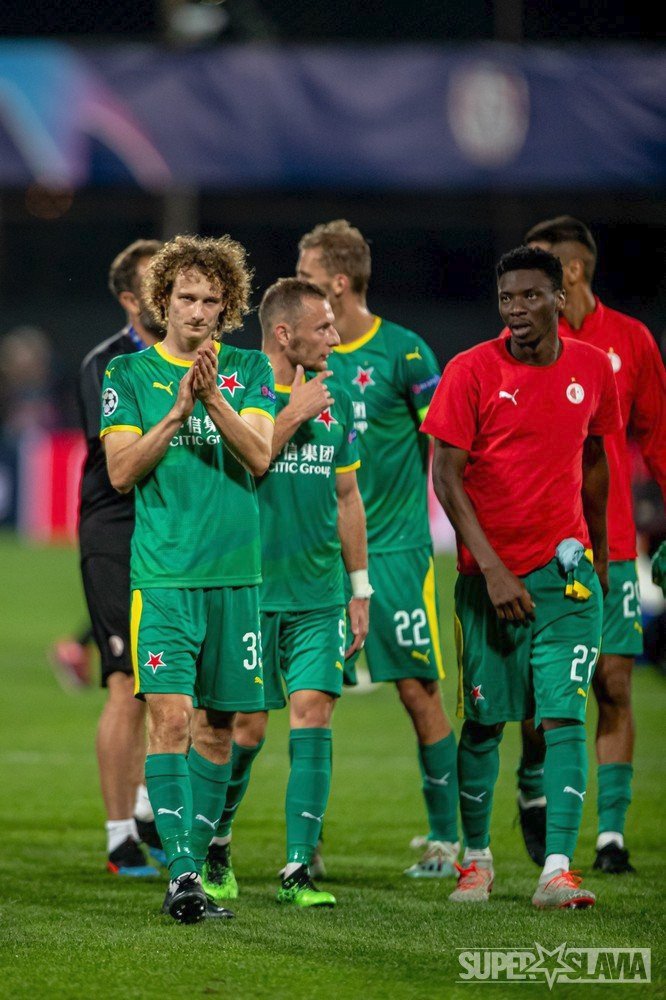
230	382
326	418
363	378
155	660
476	693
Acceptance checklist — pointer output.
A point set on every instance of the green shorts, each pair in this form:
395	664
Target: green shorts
623	629
302	651
203	643
509	671
403	640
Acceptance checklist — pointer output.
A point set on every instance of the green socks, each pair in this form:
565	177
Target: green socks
209	789
307	791
242	759
614	796
170	793
478	767
565	780
530	779
440	787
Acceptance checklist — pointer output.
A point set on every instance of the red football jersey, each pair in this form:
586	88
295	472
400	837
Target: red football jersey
641	385
524	428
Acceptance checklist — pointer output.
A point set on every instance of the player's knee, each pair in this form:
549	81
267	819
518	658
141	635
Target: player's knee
419	695
310	709
475	732
250	729
550	724
613	689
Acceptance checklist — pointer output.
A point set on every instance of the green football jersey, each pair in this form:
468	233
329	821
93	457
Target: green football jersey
197	515
392	375
301	554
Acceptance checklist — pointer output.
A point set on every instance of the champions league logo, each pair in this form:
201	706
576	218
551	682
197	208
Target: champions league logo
109	402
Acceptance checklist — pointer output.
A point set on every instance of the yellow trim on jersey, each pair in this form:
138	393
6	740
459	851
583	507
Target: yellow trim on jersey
422	413
135	621
430	602
287	388
121	427
348	468
256	409
163	353
354	345
460	643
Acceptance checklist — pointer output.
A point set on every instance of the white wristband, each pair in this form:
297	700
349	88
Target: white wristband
360	584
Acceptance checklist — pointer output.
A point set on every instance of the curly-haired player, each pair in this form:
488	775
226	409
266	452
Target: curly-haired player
189	423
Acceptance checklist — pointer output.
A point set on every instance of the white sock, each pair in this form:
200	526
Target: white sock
610	837
478	854
221	841
117	832
290	868
555	861
530	803
142	807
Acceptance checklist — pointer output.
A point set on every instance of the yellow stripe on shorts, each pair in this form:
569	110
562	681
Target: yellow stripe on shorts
135	621
458	636
430	603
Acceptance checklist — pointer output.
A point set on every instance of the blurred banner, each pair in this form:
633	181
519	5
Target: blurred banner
40	490
487	116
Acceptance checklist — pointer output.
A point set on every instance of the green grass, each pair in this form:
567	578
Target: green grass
67	929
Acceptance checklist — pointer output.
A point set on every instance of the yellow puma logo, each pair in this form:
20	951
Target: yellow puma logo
167	388
414	356
638	627
109	370
338	665
421	656
582	693
258	680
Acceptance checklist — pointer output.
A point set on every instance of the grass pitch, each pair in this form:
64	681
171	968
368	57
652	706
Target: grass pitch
68	929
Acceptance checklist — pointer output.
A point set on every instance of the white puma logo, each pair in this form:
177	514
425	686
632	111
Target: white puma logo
444	780
581	795
473	798
171	812
503	394
204	819
307	815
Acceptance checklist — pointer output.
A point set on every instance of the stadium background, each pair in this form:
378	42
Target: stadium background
442	132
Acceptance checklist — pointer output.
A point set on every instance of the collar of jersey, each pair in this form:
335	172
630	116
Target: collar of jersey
180	361
286	388
591	321
354	345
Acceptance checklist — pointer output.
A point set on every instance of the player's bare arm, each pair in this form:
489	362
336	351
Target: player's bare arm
595	498
351	529
248	437
130	457
507	592
307	400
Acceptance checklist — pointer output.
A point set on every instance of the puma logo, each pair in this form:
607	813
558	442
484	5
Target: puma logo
414	356
307	815
204	819
167	388
171	812
472	798
503	394
574	791
421	656
108	371
444	780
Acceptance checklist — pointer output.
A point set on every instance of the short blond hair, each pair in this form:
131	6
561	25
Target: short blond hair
222	261
343	250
